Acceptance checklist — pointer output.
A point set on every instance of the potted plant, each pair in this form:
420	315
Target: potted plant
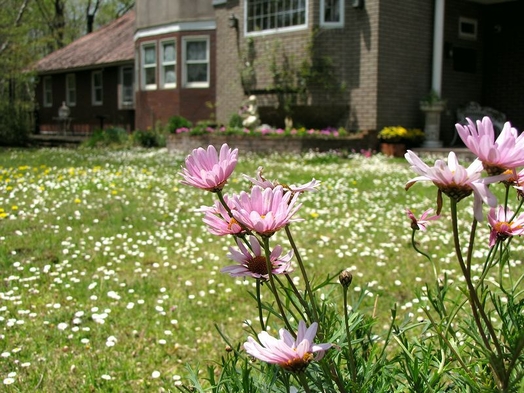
395	139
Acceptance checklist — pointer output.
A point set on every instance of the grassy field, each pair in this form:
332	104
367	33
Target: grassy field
111	282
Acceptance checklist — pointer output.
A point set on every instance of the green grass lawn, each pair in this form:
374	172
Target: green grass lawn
111	282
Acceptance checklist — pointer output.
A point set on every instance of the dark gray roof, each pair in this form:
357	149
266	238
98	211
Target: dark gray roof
112	43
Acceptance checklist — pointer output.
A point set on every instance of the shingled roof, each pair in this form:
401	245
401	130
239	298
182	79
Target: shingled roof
112	43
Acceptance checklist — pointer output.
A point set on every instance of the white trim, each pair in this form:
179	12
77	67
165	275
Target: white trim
340	23
175	28
185	40
121	102
163	64
143	84
70	88
94	101
47	86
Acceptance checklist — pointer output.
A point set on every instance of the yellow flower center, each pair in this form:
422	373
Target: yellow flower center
297	365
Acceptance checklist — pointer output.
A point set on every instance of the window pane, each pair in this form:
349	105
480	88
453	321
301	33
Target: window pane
197	73
98	95
169	74
97	79
196	50
150	76
169	52
149	55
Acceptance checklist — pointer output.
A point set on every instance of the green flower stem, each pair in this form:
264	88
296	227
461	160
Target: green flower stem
304	274
443	336
273	286
303	381
475	303
414	244
259	303
352	366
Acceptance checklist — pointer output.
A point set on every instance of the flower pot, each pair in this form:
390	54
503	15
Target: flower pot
393	149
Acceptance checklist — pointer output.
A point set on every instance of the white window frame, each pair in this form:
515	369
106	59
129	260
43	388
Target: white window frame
47	87
144	66
251	5
95	88
331	24
168	63
71	89
186	62
466	34
122	87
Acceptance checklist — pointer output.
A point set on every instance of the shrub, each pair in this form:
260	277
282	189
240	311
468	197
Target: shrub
176	122
235	121
108	137
148	138
15	123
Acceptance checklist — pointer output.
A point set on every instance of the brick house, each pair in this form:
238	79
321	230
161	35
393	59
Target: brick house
93	76
369	63
361	64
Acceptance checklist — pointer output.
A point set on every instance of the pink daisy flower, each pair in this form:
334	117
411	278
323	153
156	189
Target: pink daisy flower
456	181
506	152
423	221
504	224
265	211
253	263
290	354
264	183
218	220
209	170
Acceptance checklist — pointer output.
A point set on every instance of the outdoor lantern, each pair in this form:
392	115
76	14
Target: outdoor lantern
357	4
233	21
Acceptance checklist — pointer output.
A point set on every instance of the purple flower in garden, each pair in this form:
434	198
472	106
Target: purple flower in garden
253	262
218	220
290	354
456	181
504	224
265	211
423	221
264	183
506	152
208	170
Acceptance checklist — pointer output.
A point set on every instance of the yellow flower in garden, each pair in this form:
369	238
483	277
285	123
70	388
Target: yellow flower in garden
78	200
23	168
14	207
314	214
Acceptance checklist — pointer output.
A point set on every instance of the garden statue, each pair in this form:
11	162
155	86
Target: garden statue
250	114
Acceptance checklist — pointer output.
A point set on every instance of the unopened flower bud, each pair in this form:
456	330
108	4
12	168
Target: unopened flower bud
345	278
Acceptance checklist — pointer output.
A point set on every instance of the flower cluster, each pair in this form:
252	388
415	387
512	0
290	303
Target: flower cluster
500	158
253	217
395	134
328	132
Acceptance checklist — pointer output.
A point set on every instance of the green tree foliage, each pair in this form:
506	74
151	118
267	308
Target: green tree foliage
30	30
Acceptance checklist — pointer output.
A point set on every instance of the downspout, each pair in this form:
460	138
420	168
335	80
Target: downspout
438	46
